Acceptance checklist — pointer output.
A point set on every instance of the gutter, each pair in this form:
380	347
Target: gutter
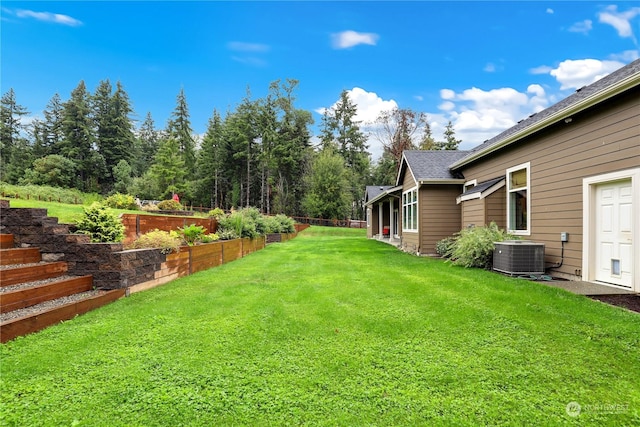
596	98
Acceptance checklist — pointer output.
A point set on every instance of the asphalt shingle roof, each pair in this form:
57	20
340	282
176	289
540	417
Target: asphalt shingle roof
373	191
579	95
483	186
427	165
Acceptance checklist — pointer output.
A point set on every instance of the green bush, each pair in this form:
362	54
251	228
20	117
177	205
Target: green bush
121	201
473	247
217	213
169	205
101	224
445	246
191	234
228	234
209	238
163	240
240	223
280	224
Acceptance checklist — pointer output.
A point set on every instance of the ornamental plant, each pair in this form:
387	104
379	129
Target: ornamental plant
121	201
101	224
169	205
157	239
191	234
473	247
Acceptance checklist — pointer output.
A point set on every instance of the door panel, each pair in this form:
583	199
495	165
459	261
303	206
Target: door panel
614	248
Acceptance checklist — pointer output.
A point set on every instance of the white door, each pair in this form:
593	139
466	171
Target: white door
614	252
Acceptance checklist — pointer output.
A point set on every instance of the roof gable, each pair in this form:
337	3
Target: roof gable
429	165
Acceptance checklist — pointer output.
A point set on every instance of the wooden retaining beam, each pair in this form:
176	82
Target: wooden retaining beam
26	325
22	298
19	256
31	273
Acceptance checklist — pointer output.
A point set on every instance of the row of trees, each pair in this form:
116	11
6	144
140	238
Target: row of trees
259	154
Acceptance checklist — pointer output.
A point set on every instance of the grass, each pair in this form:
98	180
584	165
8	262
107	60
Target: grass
66	213
331	329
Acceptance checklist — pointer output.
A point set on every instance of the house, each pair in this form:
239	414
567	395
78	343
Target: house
570	172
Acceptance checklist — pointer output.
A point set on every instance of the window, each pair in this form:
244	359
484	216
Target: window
518	200
410	210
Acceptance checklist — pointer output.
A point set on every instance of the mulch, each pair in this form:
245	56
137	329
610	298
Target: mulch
630	302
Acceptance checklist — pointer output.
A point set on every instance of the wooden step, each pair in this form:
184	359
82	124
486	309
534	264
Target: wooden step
30	273
19	256
27	297
6	241
28	324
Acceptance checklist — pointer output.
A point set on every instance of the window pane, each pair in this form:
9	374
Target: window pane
519	178
518	210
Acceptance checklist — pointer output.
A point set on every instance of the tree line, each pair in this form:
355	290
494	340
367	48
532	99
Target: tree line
259	154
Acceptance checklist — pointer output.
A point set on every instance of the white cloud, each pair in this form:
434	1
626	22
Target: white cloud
369	106
582	27
621	21
625	56
248	47
447	94
56	18
550	11
543	69
574	74
418	97
347	39
478	114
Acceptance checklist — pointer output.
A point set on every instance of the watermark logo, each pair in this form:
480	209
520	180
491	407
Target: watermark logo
574	409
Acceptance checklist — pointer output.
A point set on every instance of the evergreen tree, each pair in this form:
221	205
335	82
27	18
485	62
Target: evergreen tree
210	163
428	142
450	141
78	140
113	127
179	129
147	144
52	131
168	169
11	140
339	128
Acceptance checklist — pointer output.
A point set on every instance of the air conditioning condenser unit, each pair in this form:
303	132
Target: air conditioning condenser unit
518	257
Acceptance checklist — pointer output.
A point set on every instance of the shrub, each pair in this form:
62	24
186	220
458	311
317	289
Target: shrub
228	234
473	247
101	224
163	240
191	233
121	201
280	224
150	208
238	223
217	213
444	247
169	205
208	238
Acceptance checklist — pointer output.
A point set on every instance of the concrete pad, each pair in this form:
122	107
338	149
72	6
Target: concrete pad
587	288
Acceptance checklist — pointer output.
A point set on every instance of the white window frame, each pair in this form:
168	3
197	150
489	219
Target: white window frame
410	212
527	167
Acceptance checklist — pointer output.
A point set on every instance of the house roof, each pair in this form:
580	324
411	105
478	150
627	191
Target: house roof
373	191
479	188
430	165
585	97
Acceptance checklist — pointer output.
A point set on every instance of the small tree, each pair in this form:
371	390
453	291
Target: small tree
101	224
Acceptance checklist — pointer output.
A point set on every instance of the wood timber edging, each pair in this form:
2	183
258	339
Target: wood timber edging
26	325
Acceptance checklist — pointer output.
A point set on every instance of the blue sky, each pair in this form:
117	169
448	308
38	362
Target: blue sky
483	65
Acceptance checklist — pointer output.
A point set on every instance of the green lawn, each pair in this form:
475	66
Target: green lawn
331	329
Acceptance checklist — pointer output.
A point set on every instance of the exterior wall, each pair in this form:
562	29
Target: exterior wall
410	239
473	213
602	140
439	214
480	212
372	224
